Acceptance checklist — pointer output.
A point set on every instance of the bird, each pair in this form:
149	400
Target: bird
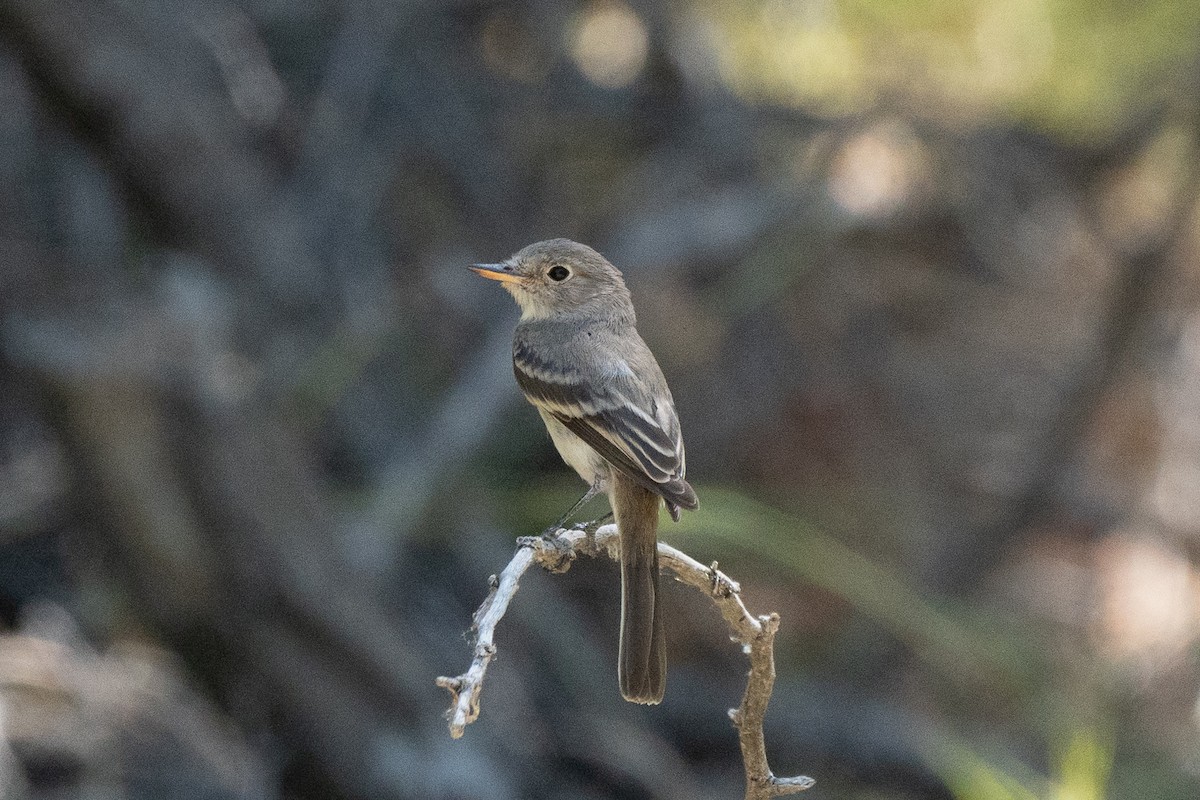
578	358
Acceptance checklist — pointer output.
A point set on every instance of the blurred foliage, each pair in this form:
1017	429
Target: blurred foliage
1080	773
942	637
1075	68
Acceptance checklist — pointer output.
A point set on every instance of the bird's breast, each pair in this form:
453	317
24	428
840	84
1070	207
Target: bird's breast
576	452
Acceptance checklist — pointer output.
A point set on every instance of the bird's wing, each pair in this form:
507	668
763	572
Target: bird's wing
643	442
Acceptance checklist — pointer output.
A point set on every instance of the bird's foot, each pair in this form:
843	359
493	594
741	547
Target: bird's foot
590	528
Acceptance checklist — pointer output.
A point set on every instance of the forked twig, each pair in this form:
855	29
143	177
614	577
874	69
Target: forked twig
756	634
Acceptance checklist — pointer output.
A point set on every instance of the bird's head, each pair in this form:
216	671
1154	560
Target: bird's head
561	278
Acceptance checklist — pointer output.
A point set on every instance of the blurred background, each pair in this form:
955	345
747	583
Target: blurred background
922	276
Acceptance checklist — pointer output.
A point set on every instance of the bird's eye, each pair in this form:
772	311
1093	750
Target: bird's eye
559	273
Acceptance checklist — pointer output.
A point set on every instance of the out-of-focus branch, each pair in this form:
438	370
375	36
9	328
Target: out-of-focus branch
408	481
756	634
173	137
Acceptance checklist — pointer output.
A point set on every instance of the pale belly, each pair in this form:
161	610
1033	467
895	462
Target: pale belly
576	452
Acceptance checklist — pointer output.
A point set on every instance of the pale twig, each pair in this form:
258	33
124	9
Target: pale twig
756	635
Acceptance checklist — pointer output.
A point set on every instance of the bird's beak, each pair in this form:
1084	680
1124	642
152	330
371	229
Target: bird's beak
496	272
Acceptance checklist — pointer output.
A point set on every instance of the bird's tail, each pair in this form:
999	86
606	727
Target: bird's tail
642	662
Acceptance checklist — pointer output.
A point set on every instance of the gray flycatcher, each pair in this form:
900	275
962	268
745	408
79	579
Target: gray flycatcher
579	360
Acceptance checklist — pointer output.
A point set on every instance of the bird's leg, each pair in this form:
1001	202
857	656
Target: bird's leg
592	491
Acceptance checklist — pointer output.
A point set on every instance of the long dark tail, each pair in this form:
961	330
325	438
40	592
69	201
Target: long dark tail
642	662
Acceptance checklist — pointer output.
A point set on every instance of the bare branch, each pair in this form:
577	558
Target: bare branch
465	689
756	634
748	717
